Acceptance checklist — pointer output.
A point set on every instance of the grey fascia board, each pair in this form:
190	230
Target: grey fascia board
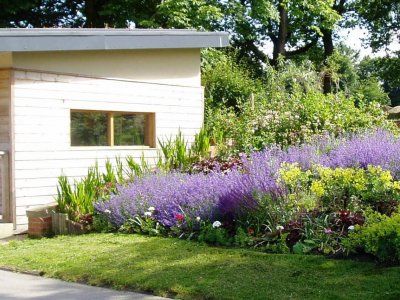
28	40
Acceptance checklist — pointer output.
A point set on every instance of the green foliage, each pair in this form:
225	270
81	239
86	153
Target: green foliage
340	188
226	83
215	236
385	70
341	65
199	14
201	146
175	152
101	224
143	225
77	199
381	18
134	169
292	109
380	236
271	213
344	188
41	13
242	238
371	90
253	23
318	237
297	183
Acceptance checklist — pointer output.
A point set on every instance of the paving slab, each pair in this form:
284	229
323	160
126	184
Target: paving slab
17	286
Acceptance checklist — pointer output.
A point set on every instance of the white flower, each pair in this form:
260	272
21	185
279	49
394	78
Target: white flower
198	219
280	227
151	208
351	227
216	224
147	213
107	211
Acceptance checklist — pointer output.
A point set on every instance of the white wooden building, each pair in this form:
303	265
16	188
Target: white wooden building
54	83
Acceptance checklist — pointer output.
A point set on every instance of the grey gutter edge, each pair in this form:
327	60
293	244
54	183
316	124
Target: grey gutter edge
30	40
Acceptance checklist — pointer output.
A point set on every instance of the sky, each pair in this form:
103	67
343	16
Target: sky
353	39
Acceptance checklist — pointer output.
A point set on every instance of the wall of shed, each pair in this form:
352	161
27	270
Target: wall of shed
5	60
42	103
5	95
169	66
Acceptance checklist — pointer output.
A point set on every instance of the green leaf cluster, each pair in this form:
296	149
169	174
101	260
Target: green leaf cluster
379	237
288	108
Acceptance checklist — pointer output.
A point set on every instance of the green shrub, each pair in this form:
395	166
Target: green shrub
380	236
290	108
341	188
347	188
226	83
214	235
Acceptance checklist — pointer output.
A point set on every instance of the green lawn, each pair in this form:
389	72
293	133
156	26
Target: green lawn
188	270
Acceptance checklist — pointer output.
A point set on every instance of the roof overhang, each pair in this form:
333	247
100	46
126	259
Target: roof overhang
32	39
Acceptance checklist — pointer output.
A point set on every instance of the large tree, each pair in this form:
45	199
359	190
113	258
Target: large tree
41	13
382	19
293	26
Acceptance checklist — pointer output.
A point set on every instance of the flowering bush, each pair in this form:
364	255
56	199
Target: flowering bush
306	198
295	119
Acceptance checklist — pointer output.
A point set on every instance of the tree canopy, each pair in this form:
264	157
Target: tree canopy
295	28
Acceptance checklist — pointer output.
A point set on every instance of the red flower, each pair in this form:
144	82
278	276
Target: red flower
250	230
180	217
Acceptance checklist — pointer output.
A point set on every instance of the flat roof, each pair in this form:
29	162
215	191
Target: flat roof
68	39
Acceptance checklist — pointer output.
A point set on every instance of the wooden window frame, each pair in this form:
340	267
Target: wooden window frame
149	126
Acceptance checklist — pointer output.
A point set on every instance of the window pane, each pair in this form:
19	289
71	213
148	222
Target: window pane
129	129
88	129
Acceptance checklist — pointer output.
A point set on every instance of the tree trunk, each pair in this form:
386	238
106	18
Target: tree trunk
328	51
280	41
92	9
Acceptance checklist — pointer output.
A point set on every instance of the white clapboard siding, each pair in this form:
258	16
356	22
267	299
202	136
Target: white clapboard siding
81	153
26	202
42	105
5	93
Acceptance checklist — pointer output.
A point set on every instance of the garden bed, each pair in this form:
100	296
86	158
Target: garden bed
333	196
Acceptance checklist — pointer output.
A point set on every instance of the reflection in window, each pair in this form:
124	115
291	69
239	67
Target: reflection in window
129	129
88	129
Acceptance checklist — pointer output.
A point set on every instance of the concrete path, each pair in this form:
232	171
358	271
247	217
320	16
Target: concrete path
16	286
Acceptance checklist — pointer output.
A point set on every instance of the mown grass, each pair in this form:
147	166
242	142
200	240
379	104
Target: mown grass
188	270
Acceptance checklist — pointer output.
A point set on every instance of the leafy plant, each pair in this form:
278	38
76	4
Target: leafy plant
175	152
380	236
216	236
201	146
292	109
341	188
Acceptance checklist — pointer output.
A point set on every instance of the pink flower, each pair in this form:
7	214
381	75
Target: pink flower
328	231
180	217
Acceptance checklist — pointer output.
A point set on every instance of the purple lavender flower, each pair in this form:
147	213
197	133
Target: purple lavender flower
218	196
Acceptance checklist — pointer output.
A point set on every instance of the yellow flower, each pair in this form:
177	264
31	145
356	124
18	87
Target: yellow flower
396	185
290	173
317	188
